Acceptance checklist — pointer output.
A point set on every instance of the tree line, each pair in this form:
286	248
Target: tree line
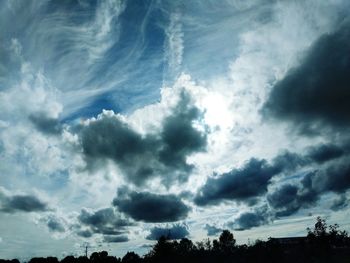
321	244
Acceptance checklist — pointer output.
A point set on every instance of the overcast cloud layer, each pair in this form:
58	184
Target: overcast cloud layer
123	121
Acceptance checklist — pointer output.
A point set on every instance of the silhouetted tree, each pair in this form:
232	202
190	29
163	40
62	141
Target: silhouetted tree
131	257
68	259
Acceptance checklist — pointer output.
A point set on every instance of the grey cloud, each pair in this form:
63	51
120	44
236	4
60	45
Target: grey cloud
251	181
55	225
316	94
212	230
21	203
175	231
162	154
239	184
148	207
283	196
336	178
289	198
104	221
340	203
115	239
179	137
325	152
288	162
251	219
84	233
46	124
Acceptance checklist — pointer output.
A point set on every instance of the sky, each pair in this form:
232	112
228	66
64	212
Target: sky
124	120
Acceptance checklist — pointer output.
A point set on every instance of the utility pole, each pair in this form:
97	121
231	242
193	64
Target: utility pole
86	246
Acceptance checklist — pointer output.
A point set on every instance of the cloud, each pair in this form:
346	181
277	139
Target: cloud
333	178
288	198
252	219
148	207
325	152
46	124
84	233
115	239
247	183
326	177
175	231
284	198
104	221
55	225
241	184
340	203
212	230
315	94
21	203
284	195
174	45
161	154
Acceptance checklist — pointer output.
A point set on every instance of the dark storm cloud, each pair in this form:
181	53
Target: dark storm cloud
148	207
176	231
251	219
325	152
21	203
104	221
115	239
288	162
239	184
251	181
46	124
316	94
212	230
288	198
336	178
283	196
141	157
55	225
340	203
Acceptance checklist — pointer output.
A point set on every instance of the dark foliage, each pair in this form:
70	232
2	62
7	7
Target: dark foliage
323	243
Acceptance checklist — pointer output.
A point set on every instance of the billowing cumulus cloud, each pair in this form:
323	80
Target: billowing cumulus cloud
315	94
149	207
104	221
161	154
21	203
176	231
